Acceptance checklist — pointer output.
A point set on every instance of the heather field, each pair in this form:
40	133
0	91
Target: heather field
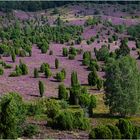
70	70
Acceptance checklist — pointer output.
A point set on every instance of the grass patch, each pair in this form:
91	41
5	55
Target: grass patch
102	117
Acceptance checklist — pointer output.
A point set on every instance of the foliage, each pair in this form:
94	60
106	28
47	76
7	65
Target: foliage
13	56
62	92
41	88
92	78
74	79
103	53
36	74
93	64
47	72
65	52
60	76
115	131
122	92
52	108
99	84
24	68
43	66
1	71
68	120
100	132
30	130
56	63
123	50
125	128
12	112
92	105
71	56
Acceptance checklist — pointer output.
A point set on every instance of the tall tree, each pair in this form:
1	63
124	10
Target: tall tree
122	86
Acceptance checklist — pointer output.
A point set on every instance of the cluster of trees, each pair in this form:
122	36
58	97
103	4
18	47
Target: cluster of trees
21	69
24	34
92	21
103	53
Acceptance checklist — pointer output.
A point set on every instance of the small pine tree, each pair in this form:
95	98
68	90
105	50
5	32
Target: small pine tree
36	74
65	52
41	88
64	72
56	63
47	72
92	105
13	56
99	84
74	79
62	92
92	78
23	68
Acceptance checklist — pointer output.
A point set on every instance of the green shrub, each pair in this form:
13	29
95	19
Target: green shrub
84	100
18	70
44	49
101	132
74	79
60	76
1	71
93	64
92	134
99	84
92	78
65	52
12	116
84	90
126	128
74	95
22	53
33	108
47	72
56	63
62	92
13	74
31	130
71	57
103	53
13	56
41	88
23	68
52	108
68	120
136	132
72	51
86	61
64	121
64	104
36	74
115	132
80	121
43	66
92	105
8	66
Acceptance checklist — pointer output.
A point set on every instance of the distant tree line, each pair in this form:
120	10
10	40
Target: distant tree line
29	5
7	6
